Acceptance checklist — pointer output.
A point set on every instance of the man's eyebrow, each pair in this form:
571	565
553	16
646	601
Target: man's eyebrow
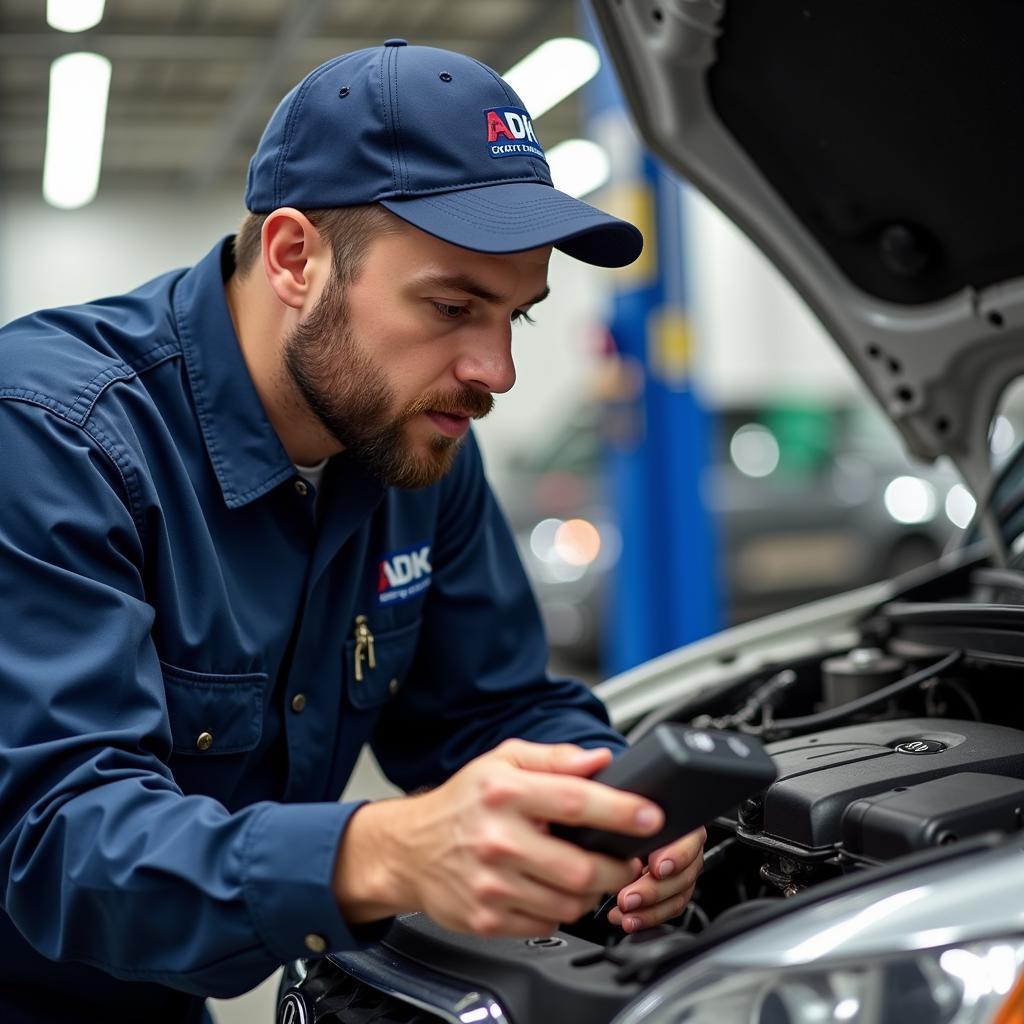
470	285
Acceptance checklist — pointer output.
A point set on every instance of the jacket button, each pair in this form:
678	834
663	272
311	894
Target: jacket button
393	687
315	943
302	487
204	741
299	702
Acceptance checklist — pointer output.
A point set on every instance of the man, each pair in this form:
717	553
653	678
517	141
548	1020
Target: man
246	530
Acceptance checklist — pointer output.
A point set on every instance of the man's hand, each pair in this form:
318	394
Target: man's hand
665	887
475	853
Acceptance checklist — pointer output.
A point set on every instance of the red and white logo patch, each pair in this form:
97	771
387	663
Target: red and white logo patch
510	133
404	574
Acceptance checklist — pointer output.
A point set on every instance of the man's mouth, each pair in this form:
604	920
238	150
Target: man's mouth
450	424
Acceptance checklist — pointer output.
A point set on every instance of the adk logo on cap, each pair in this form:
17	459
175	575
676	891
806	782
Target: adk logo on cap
403	574
510	133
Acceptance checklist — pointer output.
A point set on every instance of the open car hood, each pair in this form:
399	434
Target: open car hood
871	150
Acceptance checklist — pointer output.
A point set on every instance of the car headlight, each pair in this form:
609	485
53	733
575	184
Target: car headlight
975	983
941	942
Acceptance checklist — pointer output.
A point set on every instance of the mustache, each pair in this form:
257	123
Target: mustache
466	401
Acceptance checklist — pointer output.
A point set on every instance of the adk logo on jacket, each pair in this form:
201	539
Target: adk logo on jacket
403	574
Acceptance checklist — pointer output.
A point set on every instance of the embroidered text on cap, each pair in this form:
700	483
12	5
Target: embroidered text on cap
510	133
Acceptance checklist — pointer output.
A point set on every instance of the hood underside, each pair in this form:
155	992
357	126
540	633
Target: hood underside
871	150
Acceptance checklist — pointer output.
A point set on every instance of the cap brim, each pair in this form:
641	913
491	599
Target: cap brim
519	215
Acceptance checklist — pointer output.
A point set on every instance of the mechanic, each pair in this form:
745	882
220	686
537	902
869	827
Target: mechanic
246	529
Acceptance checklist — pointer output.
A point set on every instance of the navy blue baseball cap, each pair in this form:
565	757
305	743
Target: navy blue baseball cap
439	140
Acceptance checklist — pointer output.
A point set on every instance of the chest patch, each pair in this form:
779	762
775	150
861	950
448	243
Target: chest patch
403	574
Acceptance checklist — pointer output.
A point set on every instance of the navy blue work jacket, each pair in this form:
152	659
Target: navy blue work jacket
180	701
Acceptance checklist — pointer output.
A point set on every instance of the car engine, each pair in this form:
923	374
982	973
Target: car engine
906	742
861	795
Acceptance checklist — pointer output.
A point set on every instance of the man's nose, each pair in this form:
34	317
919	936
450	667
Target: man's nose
486	361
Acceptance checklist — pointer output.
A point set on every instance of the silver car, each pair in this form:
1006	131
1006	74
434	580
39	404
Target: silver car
872	150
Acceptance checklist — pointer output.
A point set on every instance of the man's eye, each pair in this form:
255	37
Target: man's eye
449	311
520	316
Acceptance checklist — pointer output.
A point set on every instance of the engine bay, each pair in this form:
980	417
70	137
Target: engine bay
908	741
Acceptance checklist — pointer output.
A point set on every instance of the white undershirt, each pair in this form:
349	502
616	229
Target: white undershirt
312	474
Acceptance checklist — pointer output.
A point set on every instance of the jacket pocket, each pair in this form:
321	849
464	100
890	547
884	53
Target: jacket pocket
212	713
393	651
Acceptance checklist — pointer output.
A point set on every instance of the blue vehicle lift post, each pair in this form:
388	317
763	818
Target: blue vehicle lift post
665	590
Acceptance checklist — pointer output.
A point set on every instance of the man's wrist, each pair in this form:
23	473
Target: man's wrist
369	883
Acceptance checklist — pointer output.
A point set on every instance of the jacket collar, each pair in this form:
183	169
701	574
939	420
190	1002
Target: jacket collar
244	448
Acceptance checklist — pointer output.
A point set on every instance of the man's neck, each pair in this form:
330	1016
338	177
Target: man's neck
261	324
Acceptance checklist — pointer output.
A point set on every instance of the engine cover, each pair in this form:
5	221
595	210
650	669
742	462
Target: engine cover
821	775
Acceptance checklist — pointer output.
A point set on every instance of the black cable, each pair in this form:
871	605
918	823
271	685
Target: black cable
761	702
1004	579
715	854
695	910
934	710
786	726
678	710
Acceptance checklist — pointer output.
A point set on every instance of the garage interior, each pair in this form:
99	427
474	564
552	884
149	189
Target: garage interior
782	474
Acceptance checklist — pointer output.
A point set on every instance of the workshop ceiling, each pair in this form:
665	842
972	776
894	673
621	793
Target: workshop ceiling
194	81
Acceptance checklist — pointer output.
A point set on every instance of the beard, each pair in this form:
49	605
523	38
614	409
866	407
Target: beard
351	397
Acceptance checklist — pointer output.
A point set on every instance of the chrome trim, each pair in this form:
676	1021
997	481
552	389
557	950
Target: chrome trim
412	983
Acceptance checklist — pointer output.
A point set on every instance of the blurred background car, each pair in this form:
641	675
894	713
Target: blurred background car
807	501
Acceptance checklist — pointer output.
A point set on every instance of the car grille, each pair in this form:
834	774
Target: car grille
348	1001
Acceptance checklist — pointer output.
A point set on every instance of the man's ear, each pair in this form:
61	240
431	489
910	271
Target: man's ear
296	259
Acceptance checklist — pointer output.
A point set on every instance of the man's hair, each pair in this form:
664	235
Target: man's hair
349	229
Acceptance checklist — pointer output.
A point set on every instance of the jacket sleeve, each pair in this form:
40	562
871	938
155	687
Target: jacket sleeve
103	859
480	671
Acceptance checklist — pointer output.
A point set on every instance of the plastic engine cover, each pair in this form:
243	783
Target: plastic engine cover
909	818
822	774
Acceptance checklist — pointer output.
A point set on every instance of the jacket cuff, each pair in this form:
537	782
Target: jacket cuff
289	858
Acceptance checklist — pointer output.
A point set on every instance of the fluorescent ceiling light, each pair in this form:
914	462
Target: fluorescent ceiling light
73	15
79	84
578	166
554	70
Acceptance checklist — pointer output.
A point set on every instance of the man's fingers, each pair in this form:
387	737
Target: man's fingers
678	855
565	867
558	758
544	790
567	801
650	916
650	900
535	898
648	890
557	864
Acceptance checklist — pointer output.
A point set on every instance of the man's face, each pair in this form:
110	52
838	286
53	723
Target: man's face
396	364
